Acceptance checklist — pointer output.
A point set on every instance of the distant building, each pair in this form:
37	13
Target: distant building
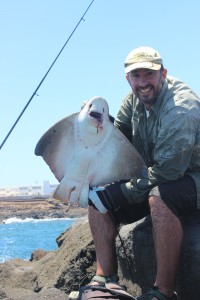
46	189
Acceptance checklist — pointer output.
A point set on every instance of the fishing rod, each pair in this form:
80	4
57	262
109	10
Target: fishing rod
39	85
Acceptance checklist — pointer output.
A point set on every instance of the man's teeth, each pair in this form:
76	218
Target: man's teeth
144	90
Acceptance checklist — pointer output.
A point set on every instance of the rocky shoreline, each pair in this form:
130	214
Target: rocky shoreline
50	275
30	280
37	208
53	275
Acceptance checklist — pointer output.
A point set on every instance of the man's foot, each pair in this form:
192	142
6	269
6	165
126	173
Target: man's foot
101	280
155	294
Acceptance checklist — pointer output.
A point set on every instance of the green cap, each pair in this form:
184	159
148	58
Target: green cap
143	58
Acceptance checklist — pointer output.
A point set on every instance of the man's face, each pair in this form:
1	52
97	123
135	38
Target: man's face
146	84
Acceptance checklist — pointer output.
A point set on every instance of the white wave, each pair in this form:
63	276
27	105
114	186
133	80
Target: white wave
17	220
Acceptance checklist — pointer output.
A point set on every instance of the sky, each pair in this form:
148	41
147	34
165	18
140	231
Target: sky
32	34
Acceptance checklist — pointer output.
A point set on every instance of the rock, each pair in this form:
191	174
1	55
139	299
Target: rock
3	295
54	274
72	263
49	294
188	279
38	254
64	269
139	247
17	277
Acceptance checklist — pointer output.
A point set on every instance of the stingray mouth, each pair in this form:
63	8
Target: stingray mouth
96	115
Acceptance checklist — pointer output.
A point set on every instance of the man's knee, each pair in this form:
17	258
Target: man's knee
179	196
157	206
101	223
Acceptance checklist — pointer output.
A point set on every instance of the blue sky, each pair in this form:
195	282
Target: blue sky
32	34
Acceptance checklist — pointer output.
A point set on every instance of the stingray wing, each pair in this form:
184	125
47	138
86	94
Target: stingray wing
119	160
57	144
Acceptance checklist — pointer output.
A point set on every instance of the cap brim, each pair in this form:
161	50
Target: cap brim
142	65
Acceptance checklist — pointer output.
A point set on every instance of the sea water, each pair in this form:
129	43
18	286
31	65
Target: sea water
19	238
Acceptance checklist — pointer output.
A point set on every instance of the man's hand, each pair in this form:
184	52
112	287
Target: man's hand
109	197
94	197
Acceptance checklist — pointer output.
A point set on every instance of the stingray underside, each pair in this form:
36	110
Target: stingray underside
116	160
78	168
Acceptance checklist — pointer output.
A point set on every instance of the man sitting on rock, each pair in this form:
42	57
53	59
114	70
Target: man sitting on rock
161	118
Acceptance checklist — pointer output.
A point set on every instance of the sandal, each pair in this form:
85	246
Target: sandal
102	280
155	293
108	291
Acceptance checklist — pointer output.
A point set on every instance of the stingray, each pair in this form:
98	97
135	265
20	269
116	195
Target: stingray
86	150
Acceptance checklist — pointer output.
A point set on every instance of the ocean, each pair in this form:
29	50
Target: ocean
19	238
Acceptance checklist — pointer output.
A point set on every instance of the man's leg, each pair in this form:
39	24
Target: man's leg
104	233
168	235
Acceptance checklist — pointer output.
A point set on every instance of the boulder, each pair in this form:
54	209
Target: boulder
38	254
138	248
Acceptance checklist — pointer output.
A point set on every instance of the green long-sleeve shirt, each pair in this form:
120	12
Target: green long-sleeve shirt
168	139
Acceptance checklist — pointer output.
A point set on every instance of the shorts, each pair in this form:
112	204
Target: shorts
180	196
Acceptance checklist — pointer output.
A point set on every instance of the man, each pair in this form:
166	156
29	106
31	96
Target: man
161	117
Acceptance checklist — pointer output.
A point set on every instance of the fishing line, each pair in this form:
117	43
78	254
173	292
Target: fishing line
122	245
109	202
39	85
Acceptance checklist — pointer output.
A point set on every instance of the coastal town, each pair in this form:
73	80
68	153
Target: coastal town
35	201
45	189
